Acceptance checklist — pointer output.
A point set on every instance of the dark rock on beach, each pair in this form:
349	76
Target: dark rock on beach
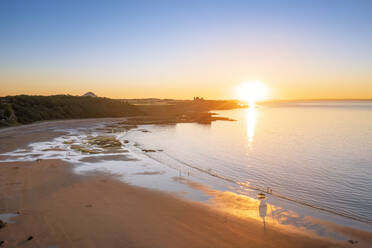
2	224
148	150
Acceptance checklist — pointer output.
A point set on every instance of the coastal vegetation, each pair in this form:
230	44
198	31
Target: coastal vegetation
25	109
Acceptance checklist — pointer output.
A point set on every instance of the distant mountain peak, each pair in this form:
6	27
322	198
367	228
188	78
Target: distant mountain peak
91	94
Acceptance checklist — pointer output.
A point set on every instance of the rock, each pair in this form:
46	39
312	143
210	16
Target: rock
353	241
75	147
126	141
2	224
84	150
29	238
104	141
2	242
114	150
54	149
148	150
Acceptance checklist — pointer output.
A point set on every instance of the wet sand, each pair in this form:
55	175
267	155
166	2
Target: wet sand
61	209
16	137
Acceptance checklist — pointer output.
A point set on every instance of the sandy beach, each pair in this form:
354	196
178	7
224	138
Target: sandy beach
58	208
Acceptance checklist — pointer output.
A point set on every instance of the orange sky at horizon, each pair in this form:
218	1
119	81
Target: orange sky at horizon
302	50
287	73
181	89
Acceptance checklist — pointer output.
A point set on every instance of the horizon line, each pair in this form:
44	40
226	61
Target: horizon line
186	99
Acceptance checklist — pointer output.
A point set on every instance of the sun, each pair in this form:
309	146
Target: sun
251	92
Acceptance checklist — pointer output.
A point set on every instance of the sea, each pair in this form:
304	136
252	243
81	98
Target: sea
317	154
311	162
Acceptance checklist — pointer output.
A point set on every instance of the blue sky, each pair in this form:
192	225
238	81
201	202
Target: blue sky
66	46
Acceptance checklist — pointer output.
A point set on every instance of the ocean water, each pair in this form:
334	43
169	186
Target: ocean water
318	154
315	157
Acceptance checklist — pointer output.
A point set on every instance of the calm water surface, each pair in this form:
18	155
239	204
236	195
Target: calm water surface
319	153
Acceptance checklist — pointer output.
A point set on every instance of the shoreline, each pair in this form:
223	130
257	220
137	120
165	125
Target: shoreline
61	121
279	196
60	208
64	174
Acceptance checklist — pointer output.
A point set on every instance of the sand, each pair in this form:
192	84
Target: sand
61	209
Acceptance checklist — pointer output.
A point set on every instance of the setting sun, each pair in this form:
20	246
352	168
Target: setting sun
251	92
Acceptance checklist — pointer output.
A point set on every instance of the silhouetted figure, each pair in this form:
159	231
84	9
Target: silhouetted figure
262	209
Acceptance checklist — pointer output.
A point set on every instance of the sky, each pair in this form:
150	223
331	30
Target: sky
180	49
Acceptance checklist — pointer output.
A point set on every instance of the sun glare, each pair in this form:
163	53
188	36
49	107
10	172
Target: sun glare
251	92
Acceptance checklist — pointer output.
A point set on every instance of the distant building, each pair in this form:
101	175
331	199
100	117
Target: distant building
196	98
90	94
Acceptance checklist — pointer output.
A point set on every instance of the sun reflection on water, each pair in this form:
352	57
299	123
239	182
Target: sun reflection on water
251	119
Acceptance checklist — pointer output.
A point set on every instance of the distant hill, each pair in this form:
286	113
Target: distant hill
91	94
24	109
